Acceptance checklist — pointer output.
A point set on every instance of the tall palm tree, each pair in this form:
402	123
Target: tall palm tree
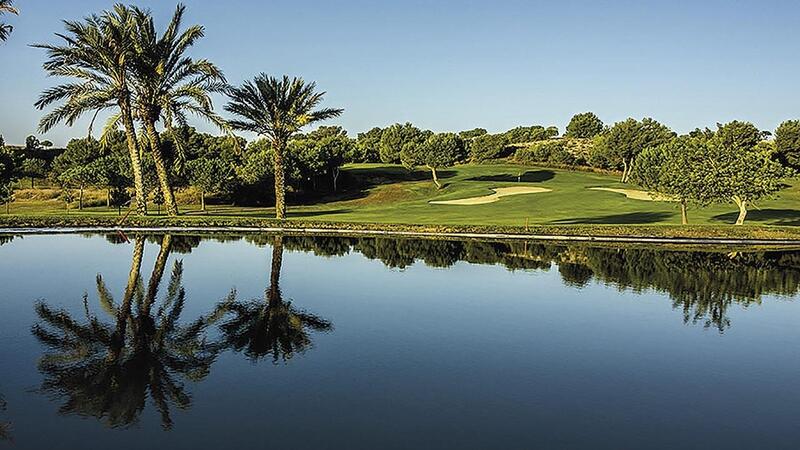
277	109
6	7
273	328
170	84
96	52
108	370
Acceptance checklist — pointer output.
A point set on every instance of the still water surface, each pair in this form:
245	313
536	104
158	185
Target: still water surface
185	342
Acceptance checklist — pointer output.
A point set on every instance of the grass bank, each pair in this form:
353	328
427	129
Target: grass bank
389	198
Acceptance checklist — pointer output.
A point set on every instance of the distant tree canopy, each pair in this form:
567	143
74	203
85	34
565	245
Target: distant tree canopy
398	137
624	141
584	125
787	143
437	152
367	148
322	152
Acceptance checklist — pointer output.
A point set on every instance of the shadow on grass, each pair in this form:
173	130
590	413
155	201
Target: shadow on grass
356	183
531	176
618	219
292	214
787	217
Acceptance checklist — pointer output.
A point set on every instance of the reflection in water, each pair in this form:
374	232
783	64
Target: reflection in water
108	369
703	285
5	427
270	327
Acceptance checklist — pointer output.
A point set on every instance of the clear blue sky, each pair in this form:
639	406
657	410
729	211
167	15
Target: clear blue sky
454	65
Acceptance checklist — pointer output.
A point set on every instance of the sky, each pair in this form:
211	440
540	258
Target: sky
453	65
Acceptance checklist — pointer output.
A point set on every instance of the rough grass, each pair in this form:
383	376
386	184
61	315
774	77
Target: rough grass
381	194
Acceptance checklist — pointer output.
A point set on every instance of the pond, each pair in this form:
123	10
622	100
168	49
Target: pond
256	341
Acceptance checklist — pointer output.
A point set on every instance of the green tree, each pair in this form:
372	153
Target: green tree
787	143
210	175
169	84
97	52
437	152
322	152
367	147
625	140
584	125
34	168
398	137
735	172
676	170
6	7
535	133
487	147
277	109
9	169
738	136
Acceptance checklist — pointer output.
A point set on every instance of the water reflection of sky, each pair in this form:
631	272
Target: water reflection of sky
468	356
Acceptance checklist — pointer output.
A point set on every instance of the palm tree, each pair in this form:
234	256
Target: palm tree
6	6
277	109
169	85
97	53
272	328
108	370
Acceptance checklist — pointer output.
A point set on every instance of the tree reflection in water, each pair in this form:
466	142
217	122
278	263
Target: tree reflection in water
109	368
272	327
5	427
702	284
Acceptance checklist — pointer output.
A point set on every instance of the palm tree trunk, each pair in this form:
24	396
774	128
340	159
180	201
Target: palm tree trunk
202	200
133	150
80	198
280	182
134	153
161	168
273	294
624	170
158	271
124	312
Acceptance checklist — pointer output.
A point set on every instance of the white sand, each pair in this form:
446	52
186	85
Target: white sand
635	194
498	194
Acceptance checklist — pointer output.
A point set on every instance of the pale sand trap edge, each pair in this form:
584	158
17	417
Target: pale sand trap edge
498	194
634	194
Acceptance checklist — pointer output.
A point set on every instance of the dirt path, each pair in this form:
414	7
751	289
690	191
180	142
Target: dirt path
498	194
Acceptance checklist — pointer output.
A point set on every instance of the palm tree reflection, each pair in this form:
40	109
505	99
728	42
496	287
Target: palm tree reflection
269	328
108	369
5	427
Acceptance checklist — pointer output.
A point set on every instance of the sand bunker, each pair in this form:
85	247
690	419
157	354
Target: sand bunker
636	194
498	194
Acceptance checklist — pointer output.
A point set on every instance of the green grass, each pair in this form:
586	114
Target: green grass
391	195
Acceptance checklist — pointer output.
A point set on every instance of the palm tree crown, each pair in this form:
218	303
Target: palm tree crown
6	7
277	108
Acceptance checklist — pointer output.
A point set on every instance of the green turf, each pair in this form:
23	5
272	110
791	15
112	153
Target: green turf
390	194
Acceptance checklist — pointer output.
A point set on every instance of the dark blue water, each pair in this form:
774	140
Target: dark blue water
260	342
